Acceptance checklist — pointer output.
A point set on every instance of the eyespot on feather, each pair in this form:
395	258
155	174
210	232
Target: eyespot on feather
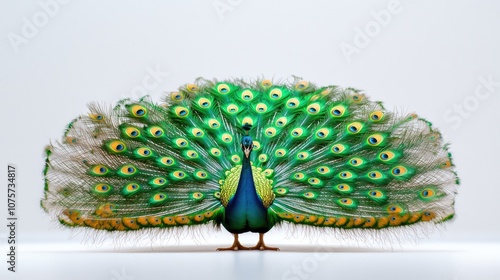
275	94
354	127
338	111
292	103
116	146
270	132
223	89
261	108
138	111
213	124
131	132
177	96
99	170
314	109
247	95
377	116
127	170
102	188
181	111
204	103
198	133
158	199
197	196
266	83
302	85
158	182
192	87
96	117
232	109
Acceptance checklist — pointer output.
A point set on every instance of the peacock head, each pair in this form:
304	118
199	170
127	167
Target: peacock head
247	145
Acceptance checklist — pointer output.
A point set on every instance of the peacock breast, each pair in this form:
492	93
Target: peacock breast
246	200
262	183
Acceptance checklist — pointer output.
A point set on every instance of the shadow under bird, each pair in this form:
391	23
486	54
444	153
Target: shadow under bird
249	156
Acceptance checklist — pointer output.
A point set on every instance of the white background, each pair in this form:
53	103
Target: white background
426	57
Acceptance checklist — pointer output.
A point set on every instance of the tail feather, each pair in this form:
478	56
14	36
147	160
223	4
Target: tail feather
330	156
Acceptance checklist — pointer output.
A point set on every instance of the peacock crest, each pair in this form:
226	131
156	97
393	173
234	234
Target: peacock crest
249	155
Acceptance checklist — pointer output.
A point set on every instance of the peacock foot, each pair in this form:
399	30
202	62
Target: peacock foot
236	246
262	246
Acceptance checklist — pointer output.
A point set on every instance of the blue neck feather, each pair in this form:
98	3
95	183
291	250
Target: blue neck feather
246	185
245	211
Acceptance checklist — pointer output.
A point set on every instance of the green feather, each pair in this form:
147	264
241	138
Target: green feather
325	157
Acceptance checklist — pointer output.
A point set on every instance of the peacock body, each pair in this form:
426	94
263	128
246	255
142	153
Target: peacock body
248	156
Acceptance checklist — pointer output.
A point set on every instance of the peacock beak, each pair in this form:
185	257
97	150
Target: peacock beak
247	151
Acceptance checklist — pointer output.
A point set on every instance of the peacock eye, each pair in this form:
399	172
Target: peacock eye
357	97
338	111
276	93
192	87
181	112
376	116
223	88
354	127
314	108
261	107
232	108
177	96
266	83
301	85
292	103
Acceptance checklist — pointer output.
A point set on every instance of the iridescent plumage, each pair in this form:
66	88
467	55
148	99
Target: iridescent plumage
249	156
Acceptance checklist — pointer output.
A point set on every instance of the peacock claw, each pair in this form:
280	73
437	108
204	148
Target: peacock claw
262	246
236	246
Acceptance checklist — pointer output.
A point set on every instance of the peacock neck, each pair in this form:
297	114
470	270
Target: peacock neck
246	185
245	210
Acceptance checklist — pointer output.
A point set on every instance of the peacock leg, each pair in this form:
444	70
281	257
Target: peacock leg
262	246
236	245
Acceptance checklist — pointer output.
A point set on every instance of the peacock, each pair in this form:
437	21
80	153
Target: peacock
250	155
